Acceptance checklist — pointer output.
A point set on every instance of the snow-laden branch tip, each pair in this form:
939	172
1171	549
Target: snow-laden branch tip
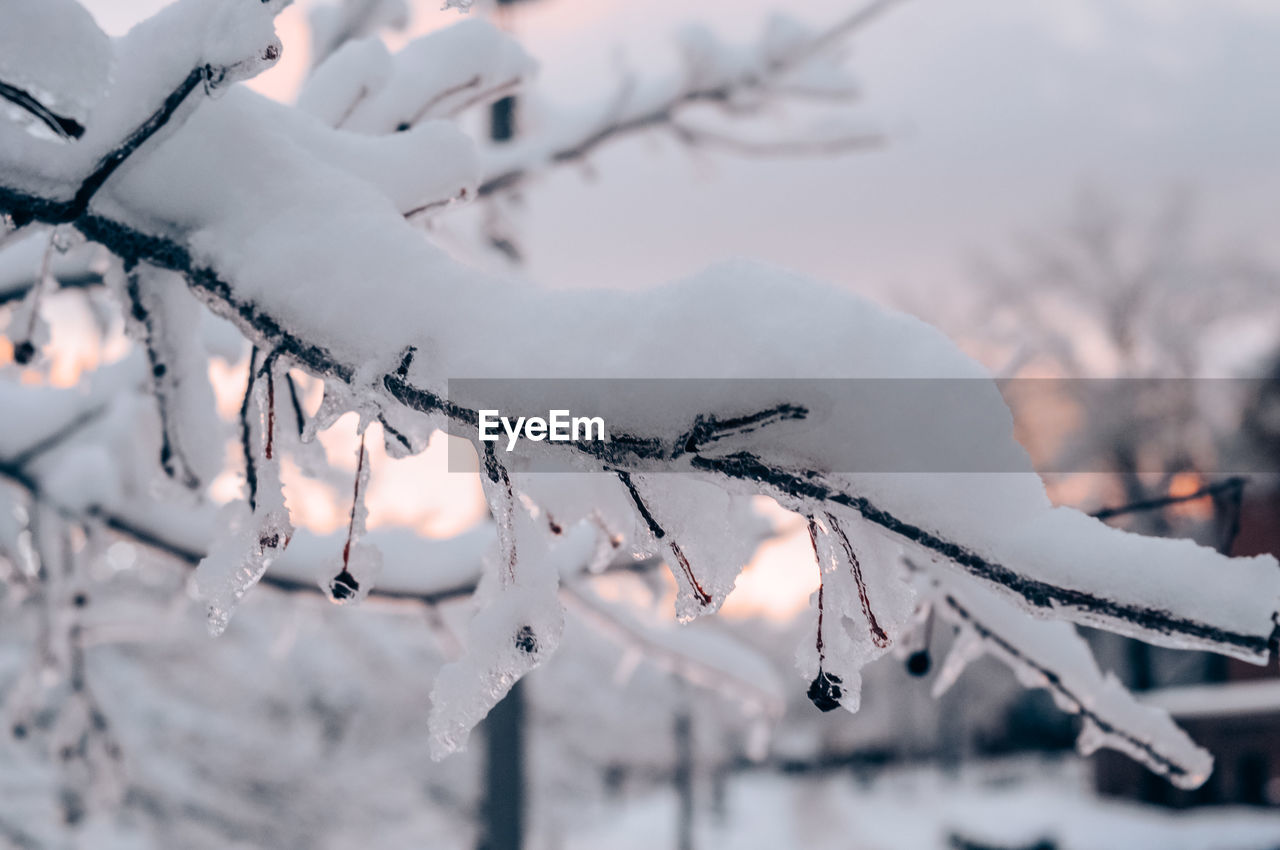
788	60
1054	657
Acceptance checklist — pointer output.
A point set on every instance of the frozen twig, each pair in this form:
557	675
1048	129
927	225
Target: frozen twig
630	113
63	126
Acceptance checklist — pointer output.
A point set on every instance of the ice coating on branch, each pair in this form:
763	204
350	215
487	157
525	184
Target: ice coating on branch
361	562
35	40
1051	655
703	542
252	533
859	613
161	316
246	545
517	626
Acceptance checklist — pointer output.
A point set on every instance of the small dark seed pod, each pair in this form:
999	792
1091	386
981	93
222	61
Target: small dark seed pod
826	691
918	663
343	585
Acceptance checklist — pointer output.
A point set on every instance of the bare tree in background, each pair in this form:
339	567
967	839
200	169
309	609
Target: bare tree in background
1128	316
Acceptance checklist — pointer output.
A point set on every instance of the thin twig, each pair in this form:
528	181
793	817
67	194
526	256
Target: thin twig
64	127
1219	488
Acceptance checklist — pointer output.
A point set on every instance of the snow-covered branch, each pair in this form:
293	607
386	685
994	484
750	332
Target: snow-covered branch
789	60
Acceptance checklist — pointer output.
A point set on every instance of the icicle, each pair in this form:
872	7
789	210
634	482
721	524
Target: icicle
501	496
913	646
252	537
361	562
967	648
828	689
27	326
518	626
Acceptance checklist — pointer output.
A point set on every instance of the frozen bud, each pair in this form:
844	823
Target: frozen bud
343	587
357	576
826	690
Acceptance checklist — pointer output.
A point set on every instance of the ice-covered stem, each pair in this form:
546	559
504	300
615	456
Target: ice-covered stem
246	434
827	689
660	535
251	536
1051	656
812	525
502	504
27	319
172	459
623	120
345	585
878	636
295	404
67	128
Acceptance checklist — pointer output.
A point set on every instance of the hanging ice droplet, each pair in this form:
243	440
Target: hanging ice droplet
967	648
919	662
826	691
357	576
361	562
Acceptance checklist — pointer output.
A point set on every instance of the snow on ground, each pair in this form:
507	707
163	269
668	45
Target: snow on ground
1008	804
